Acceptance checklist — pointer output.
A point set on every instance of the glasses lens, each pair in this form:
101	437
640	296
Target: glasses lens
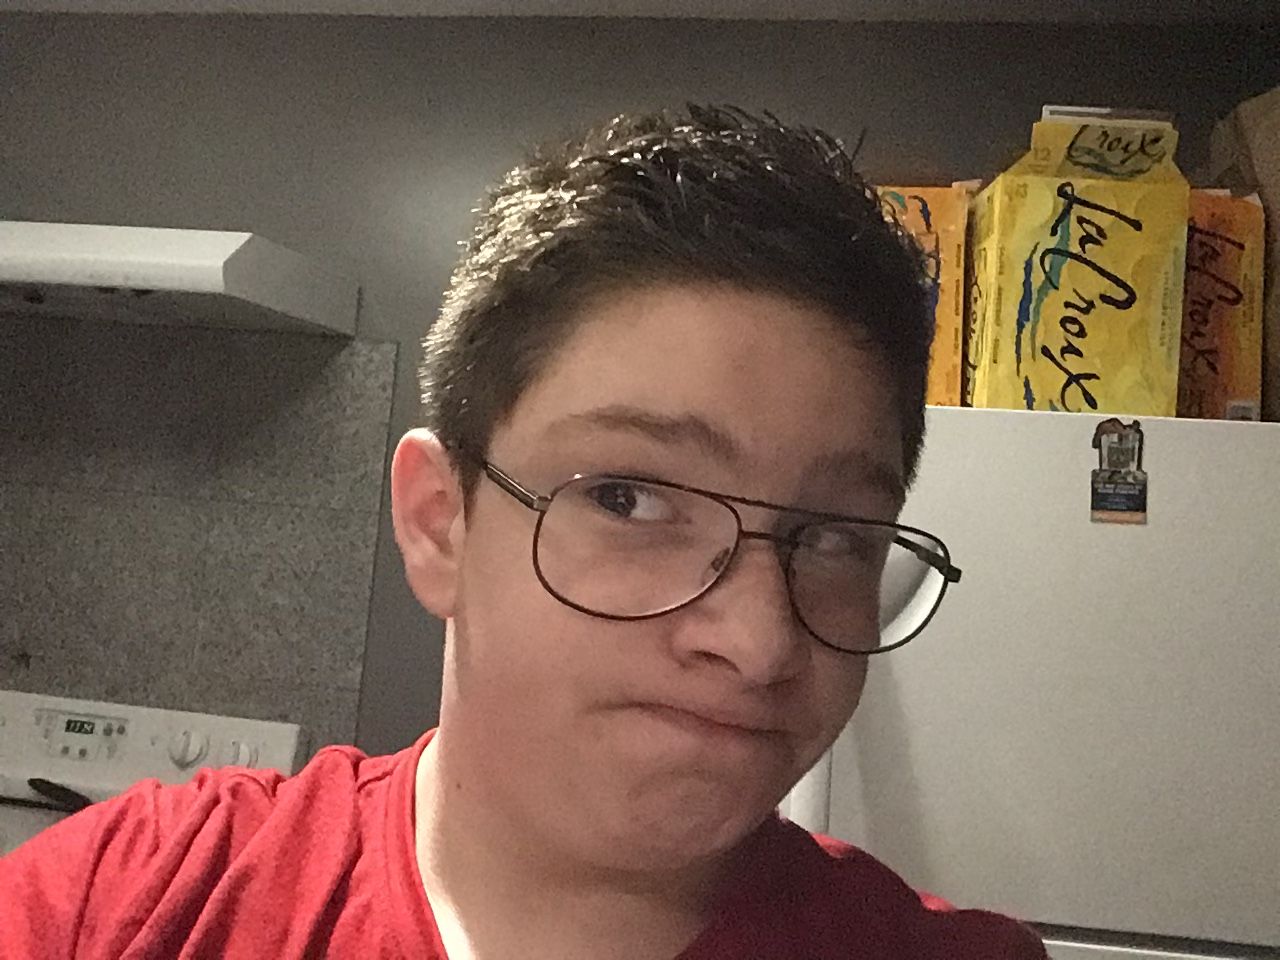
627	548
864	587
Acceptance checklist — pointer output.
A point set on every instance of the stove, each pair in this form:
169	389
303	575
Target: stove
58	755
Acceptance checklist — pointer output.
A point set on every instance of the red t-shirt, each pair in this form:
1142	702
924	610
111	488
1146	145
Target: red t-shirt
250	864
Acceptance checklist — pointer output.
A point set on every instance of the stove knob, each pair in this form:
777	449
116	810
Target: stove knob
187	748
239	753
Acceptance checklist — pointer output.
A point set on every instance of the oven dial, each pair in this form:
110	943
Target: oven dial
187	748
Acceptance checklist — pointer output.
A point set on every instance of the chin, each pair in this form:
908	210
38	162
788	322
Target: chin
689	824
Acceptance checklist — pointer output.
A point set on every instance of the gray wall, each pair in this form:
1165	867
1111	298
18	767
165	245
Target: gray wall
370	139
189	517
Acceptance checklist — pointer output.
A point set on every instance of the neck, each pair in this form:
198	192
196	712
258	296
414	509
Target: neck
497	890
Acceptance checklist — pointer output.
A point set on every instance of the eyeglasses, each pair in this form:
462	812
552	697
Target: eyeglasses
629	548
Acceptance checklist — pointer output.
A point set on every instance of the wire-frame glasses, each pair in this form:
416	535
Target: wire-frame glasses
629	548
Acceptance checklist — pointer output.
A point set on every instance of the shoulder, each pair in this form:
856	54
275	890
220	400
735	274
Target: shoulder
103	873
854	897
230	806
232	800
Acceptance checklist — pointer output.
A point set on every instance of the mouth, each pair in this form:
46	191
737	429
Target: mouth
707	723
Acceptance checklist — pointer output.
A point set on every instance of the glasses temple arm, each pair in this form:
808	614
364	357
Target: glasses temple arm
509	484
932	558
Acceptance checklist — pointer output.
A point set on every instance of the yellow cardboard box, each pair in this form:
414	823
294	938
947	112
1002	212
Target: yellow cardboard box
938	218
1078	259
1221	368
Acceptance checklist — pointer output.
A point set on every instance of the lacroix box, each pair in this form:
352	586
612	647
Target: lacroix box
1221	369
1244	152
938	218
1079	250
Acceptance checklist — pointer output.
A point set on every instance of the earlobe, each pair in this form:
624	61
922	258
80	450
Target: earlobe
428	513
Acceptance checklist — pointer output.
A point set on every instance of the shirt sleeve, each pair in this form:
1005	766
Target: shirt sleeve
979	934
44	884
950	933
982	933
85	887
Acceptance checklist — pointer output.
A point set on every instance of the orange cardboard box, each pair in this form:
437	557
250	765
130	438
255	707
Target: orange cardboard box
1244	153
1220	369
938	218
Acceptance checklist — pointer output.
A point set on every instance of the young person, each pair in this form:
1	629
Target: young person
674	401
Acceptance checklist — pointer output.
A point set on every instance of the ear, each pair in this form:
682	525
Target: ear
430	524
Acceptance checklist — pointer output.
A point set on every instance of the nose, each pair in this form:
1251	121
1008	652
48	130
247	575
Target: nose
745	622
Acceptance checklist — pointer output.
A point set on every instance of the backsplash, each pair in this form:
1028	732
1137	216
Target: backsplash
188	516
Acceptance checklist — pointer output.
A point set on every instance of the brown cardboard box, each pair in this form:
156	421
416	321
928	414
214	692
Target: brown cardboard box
1244	154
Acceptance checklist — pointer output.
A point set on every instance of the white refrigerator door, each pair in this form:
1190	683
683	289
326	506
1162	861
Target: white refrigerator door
1088	734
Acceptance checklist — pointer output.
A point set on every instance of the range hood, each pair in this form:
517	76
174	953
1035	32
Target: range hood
166	276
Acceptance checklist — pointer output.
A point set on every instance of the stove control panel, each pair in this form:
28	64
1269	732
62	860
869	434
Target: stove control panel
99	749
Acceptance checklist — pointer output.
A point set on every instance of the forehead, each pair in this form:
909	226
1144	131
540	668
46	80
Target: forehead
749	388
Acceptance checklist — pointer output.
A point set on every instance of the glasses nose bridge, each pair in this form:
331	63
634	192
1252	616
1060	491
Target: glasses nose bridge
731	556
765	535
755	523
783	546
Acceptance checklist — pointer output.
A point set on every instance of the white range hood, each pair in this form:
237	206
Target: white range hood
175	277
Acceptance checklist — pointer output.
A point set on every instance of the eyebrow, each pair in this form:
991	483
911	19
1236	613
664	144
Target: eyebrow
871	472
684	430
693	431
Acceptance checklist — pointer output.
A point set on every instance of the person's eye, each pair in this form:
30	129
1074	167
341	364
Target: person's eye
629	500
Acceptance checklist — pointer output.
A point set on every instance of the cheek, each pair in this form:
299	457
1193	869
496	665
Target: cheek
519	651
501	606
839	682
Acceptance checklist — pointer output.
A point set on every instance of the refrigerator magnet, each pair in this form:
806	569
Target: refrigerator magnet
1119	489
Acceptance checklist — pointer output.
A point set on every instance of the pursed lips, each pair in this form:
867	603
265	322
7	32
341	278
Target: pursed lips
752	723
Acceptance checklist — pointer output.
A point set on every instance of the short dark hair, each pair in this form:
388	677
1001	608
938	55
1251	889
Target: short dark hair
704	195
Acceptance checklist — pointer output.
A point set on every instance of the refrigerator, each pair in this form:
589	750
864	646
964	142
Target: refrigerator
1087	735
